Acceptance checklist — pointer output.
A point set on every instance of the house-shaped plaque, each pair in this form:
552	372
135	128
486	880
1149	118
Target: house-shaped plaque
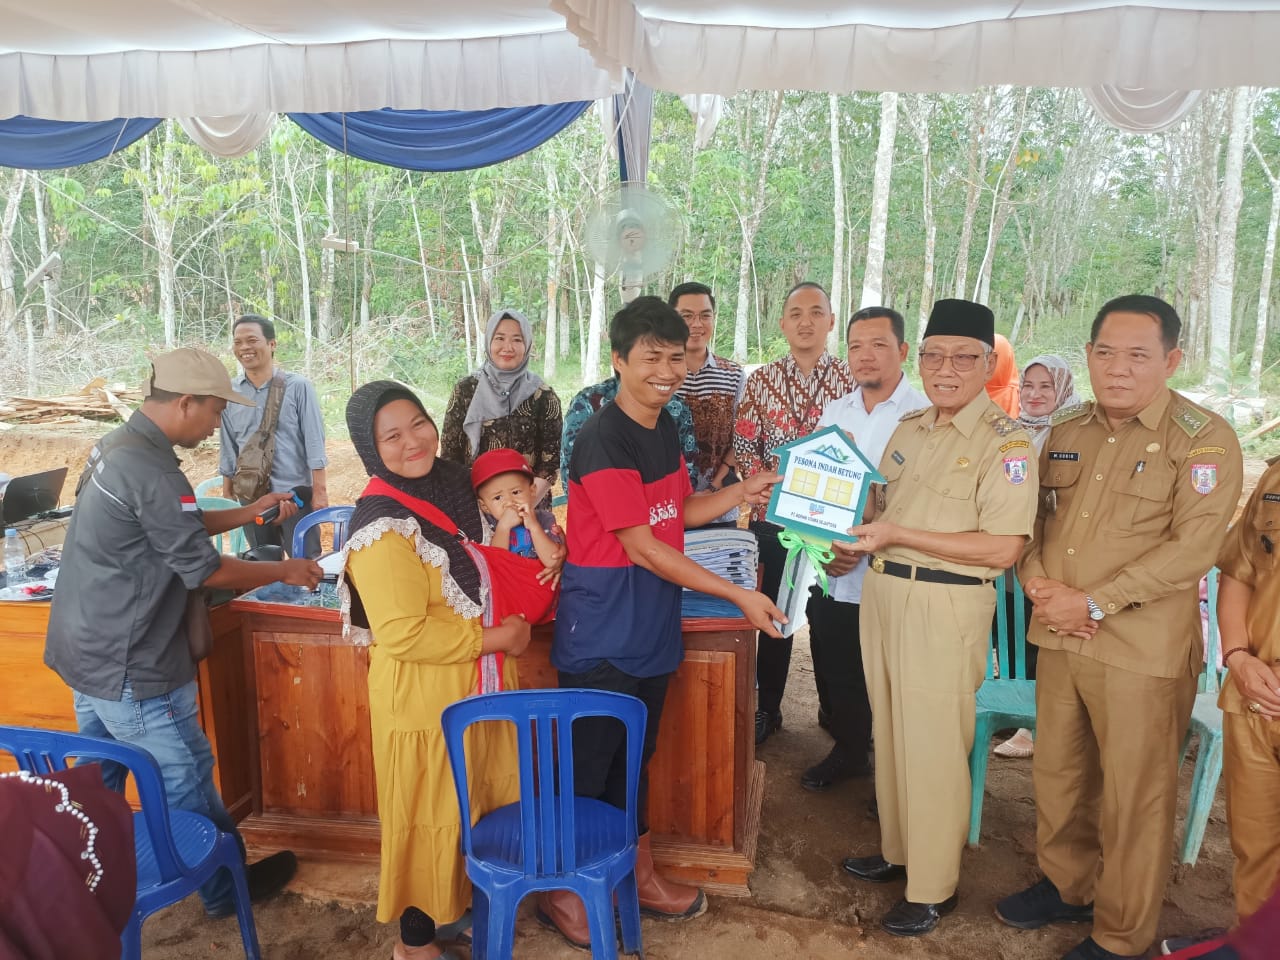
825	481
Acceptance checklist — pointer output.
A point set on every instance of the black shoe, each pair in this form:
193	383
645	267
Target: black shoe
1174	944
266	878
1086	949
873	869
909	919
837	766
766	725
1040	905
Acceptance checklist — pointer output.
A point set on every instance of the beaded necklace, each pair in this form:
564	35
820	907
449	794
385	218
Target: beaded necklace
88	829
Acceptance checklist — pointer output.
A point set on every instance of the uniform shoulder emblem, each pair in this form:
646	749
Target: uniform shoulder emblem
1003	425
1190	418
912	414
1070	413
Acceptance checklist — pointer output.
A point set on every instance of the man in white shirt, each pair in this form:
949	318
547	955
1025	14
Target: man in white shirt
869	414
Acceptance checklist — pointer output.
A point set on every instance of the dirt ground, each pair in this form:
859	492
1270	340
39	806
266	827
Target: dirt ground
28	449
802	903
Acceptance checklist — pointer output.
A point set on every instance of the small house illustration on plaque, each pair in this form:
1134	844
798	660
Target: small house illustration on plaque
825	481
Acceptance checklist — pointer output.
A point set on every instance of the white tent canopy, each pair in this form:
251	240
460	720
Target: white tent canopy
99	59
93	60
723	46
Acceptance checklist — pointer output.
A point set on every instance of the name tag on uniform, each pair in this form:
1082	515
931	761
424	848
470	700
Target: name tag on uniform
1063	455
1271	497
898	458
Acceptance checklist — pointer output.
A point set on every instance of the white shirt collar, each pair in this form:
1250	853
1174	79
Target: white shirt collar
895	399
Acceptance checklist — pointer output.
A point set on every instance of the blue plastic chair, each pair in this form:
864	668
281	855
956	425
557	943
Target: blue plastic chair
1206	727
233	541
338	516
209	488
1009	701
549	839
177	850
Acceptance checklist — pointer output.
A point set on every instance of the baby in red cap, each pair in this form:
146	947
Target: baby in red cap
504	486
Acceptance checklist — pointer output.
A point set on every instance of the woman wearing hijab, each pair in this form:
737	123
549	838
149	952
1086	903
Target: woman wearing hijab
1047	386
1003	385
505	404
411	588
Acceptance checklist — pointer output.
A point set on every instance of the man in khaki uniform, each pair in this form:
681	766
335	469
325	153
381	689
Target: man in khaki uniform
957	510
1137	490
1249	618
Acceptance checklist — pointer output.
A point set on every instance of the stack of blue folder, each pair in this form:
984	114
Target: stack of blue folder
727	552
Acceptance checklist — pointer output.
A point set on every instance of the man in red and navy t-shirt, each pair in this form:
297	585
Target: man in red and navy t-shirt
618	624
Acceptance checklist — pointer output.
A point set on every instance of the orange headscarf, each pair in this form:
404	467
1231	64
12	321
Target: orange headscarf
1004	383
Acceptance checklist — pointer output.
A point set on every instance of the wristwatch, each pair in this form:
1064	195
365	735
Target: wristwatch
1095	611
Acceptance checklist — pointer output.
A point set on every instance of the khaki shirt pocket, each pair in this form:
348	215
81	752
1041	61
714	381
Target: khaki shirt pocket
1265	537
1144	500
954	508
1057	485
1060	473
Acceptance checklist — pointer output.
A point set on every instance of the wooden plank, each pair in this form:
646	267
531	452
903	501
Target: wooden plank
314	742
224	710
755	808
285	617
337	838
31	695
718	871
691	775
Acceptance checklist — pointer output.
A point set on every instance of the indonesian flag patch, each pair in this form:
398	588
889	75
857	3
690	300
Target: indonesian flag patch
1204	477
189	504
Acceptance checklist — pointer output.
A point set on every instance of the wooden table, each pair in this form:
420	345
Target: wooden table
32	695
310	761
284	701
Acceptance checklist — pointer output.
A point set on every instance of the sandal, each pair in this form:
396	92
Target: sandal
1021	745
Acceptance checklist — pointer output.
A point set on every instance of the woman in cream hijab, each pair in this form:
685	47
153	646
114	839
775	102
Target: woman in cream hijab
1047	386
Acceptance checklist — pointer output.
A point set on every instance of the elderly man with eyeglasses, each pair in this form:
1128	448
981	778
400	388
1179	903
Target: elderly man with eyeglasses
959	505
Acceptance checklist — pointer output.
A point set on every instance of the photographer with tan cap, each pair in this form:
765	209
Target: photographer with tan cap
125	619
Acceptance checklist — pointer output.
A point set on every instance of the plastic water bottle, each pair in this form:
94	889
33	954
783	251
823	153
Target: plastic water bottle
15	558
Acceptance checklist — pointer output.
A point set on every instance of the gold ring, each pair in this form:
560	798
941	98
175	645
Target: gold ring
1255	707
1053	629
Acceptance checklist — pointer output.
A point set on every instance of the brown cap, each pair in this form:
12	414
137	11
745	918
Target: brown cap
188	370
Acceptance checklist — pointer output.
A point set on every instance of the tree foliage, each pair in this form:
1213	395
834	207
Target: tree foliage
1063	211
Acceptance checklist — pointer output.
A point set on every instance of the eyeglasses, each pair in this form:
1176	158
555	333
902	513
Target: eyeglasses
962	362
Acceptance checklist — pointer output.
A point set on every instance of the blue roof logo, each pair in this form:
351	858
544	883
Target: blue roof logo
829	451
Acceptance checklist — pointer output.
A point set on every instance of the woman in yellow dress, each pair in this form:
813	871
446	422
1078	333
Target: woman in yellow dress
412	590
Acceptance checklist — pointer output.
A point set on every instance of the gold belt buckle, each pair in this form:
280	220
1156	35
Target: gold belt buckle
877	564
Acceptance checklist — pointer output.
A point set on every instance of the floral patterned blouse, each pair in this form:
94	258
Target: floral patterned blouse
590	399
533	429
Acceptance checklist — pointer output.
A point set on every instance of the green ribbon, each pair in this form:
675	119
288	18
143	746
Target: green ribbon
819	557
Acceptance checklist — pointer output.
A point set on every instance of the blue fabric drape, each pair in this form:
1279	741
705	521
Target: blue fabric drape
440	140
35	144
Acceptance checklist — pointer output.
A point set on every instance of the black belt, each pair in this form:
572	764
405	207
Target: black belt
923	574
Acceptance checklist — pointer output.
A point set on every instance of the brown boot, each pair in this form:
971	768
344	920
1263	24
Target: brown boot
565	912
664	899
